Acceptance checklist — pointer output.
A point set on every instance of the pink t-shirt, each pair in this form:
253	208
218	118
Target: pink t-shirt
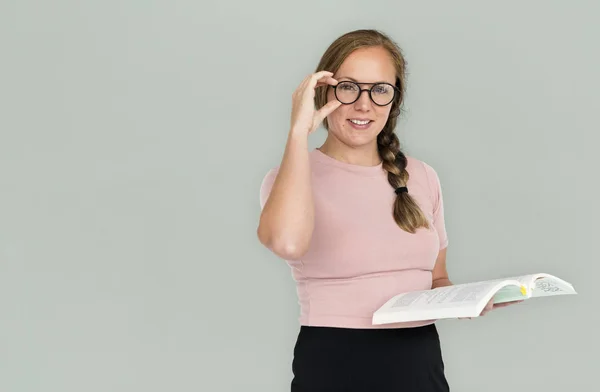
358	256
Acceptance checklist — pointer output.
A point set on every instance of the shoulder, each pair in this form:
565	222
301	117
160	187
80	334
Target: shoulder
424	171
270	175
267	184
418	166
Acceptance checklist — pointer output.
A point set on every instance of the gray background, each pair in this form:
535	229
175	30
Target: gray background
134	136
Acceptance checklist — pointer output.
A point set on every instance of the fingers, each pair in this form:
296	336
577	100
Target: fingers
311	80
505	304
326	80
322	78
327	110
489	306
303	101
318	75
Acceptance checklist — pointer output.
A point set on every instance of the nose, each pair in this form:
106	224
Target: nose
363	103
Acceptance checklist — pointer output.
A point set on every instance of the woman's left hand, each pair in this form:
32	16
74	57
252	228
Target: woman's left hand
491	306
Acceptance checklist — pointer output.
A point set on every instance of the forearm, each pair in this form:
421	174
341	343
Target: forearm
440	282
287	219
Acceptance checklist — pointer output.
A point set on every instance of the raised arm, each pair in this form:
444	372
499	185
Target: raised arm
287	217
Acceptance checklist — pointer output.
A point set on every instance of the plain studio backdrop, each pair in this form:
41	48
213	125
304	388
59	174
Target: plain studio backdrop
135	136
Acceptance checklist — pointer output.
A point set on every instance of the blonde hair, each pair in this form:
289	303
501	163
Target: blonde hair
406	211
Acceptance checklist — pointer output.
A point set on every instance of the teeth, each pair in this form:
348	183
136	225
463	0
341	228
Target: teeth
358	122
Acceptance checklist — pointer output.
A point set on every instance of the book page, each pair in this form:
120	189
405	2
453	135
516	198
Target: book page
549	285
539	285
525	280
461	300
509	294
451	296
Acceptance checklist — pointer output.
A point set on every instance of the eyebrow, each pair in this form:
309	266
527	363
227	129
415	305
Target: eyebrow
356	81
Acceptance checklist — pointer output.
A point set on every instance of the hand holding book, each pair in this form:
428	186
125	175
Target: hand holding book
491	306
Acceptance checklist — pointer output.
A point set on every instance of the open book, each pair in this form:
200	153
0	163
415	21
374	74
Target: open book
468	299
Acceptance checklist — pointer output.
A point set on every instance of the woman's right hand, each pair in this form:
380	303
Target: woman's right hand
304	116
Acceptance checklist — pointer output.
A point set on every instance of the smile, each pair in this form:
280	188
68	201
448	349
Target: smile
360	122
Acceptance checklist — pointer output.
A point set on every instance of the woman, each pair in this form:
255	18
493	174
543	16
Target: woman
358	221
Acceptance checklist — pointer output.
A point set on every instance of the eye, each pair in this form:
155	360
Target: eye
381	89
347	86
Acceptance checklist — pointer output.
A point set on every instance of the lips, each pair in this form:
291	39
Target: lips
359	121
359	124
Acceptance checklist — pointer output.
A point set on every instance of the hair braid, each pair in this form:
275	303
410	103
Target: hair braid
407	212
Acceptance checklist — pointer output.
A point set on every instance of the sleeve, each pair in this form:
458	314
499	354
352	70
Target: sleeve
266	186
438	205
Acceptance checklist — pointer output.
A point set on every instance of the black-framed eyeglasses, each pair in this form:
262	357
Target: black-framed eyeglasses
381	94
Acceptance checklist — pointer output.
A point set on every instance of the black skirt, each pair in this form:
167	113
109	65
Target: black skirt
341	359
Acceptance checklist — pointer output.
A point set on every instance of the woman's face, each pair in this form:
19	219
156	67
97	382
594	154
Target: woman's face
365	65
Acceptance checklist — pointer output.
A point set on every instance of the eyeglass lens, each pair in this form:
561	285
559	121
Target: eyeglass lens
348	92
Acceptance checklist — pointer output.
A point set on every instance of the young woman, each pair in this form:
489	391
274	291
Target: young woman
358	221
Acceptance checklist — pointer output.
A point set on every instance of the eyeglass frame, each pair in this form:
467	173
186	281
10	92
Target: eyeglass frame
360	91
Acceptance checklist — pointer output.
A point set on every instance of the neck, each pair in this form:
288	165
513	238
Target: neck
364	155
